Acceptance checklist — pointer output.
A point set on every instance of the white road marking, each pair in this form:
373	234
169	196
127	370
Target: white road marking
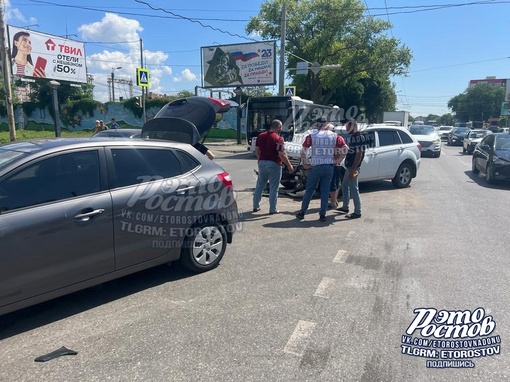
322	289
297	342
351	233
341	256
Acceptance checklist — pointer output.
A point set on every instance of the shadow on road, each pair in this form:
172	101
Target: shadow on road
57	309
479	179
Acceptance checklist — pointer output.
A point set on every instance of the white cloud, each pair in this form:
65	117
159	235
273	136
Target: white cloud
186	76
125	53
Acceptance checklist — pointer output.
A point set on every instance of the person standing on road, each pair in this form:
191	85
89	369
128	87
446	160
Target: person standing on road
271	155
325	146
335	180
357	146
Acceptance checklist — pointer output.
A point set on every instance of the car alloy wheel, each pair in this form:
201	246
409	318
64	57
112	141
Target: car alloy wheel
474	169
403	176
203	247
489	177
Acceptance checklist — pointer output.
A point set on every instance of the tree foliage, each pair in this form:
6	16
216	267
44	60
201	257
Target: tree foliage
478	103
331	32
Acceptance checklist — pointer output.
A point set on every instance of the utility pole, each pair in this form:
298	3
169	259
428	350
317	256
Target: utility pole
281	78
7	75
142	98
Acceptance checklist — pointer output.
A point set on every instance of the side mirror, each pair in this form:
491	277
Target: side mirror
485	147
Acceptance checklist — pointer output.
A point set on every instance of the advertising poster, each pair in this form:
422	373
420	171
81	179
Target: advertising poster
250	64
40	55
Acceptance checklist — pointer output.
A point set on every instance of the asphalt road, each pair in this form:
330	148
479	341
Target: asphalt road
300	300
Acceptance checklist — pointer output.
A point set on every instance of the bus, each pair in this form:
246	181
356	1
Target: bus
297	115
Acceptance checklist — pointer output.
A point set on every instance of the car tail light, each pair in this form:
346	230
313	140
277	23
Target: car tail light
419	147
226	179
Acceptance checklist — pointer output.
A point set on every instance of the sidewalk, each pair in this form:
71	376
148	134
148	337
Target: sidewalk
228	145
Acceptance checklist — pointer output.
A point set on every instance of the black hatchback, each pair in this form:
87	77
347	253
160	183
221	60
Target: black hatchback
492	157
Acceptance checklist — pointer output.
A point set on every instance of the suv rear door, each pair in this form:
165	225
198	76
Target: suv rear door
387	152
155	196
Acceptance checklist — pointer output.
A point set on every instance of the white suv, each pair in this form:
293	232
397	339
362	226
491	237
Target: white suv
396	154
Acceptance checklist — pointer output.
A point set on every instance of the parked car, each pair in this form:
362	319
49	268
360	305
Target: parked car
443	132
428	138
457	135
492	157
395	155
119	133
472	139
79	212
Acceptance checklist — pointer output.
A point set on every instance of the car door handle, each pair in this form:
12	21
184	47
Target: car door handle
182	190
87	215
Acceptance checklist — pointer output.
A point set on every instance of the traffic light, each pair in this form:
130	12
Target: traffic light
137	101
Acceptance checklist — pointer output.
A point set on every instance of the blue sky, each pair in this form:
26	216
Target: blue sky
451	44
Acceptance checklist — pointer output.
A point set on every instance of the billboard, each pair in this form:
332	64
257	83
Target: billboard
249	64
40	55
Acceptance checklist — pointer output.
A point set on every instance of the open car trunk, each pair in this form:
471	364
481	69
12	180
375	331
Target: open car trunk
186	120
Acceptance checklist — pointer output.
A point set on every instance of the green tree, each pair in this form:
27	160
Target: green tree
478	103
447	119
332	32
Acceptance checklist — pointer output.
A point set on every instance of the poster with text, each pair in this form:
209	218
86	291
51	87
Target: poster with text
250	64
40	55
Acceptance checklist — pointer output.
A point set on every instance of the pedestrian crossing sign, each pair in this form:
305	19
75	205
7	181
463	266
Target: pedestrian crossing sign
290	90
142	77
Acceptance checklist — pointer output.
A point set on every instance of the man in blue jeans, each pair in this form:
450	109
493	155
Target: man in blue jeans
271	155
357	146
325	147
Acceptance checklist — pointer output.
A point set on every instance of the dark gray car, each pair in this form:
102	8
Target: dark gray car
79	212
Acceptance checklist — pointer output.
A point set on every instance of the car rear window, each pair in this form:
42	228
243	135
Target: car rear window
138	165
388	137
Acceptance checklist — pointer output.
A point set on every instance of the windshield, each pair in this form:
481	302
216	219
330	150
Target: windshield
478	134
461	130
503	143
422	130
445	128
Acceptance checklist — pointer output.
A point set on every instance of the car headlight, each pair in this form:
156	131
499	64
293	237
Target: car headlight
436	141
497	160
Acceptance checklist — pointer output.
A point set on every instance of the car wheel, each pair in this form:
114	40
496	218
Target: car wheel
488	174
203	247
474	169
438	154
463	149
403	176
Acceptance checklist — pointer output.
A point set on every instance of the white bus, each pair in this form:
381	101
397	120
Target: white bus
297	115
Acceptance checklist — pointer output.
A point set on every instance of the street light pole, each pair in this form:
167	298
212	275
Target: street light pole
54	85
238	91
113	83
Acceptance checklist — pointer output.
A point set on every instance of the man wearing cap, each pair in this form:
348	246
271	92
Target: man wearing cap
325	147
271	155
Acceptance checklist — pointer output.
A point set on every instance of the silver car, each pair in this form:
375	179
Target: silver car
79	212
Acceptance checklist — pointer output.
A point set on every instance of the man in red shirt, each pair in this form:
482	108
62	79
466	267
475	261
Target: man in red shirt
271	155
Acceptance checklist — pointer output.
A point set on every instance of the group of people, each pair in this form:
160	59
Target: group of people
100	125
323	154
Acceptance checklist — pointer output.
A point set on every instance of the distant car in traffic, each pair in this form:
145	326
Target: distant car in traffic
428	138
119	133
492	157
472	139
457	135
443	131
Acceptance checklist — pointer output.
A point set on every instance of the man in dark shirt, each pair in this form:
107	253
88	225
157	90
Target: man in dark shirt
357	145
271	154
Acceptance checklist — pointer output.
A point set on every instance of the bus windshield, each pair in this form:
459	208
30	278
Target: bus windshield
297	115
